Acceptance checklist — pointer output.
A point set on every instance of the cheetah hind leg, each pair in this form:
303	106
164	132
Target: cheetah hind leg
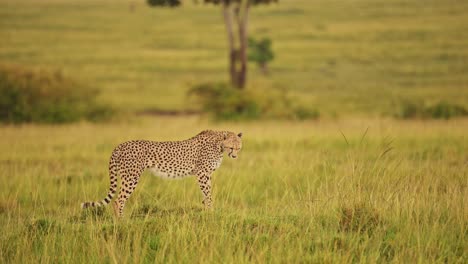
116	207
129	183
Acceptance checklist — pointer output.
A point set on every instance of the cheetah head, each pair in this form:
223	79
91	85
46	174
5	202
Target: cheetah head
232	143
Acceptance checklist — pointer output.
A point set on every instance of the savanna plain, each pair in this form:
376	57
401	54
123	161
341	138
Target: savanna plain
356	185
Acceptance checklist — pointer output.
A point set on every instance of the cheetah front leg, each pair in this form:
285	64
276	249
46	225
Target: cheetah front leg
204	182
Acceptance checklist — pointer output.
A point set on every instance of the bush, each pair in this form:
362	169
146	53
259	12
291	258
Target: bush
260	52
441	110
446	111
170	3
304	113
224	102
45	97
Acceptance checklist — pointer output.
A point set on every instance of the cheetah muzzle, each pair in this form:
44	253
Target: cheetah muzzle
200	156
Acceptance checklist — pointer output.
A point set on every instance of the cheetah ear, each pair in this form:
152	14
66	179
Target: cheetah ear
240	134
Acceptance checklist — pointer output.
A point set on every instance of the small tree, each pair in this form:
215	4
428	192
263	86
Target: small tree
236	18
261	53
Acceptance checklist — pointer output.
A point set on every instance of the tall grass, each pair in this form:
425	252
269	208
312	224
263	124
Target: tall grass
300	192
354	190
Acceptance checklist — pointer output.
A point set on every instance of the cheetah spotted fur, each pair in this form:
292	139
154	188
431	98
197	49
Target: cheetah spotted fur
200	155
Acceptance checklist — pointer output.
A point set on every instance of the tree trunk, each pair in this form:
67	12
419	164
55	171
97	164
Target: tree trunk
237	57
227	12
264	68
243	23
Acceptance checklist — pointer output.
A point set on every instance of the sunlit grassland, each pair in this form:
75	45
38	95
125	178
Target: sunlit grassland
343	57
299	192
360	188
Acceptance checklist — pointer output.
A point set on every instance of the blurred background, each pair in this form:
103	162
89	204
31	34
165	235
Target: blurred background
353	115
66	60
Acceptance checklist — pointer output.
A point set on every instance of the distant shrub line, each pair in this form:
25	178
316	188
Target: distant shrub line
46	97
441	110
42	96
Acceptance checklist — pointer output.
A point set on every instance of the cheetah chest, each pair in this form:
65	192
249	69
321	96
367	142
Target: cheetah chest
217	163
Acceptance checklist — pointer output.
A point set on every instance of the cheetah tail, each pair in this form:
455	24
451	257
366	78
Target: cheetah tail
113	164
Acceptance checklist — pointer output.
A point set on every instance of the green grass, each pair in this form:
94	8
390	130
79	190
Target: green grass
300	192
346	58
358	188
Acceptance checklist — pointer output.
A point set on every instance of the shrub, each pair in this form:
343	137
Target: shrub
410	110
441	110
446	111
224	102
45	97
260	52
170	3
304	113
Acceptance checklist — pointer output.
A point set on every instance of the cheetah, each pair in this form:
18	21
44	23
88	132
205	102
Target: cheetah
199	156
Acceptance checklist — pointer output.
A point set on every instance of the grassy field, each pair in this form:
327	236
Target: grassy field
344	57
300	192
353	186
